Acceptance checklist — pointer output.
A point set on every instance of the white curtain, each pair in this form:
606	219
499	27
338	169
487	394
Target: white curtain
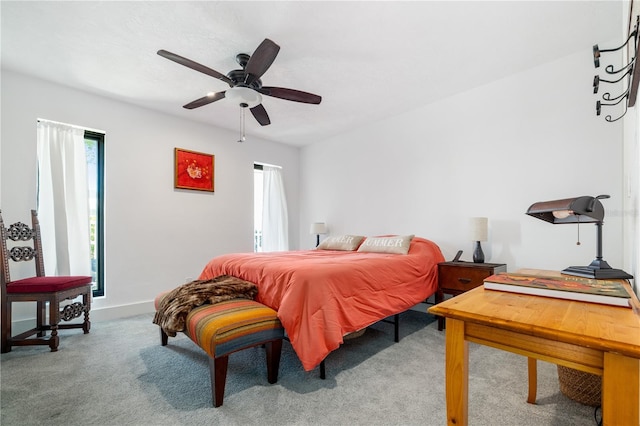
63	199
275	220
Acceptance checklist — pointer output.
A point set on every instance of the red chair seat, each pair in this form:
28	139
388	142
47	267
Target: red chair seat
46	284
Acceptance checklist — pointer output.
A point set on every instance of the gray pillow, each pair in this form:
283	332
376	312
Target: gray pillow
398	244
341	242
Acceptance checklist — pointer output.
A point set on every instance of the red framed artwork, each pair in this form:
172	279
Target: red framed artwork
194	170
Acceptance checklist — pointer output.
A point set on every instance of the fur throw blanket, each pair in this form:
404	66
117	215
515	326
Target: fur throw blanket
174	306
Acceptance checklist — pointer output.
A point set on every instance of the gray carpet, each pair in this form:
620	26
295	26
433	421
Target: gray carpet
120	375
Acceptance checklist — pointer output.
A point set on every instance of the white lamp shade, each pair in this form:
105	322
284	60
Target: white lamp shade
318	228
479	228
243	95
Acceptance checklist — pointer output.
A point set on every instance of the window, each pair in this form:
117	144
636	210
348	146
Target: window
271	221
71	160
257	207
94	148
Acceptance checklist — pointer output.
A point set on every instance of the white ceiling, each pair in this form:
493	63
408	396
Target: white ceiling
367	59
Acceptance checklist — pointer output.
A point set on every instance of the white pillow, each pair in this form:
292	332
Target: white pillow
398	244
341	242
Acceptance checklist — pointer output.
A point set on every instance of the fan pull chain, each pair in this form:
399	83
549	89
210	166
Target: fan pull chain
242	136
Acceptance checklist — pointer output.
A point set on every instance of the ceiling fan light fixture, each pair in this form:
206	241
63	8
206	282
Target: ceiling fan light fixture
243	96
246	88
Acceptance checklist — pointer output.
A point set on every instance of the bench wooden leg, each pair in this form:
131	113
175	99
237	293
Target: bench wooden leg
532	369
274	350
218	370
164	338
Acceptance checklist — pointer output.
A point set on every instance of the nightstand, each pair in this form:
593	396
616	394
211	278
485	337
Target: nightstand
457	277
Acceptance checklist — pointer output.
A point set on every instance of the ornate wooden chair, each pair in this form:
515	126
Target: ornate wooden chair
39	288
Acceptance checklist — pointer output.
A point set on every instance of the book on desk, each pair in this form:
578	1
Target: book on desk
606	292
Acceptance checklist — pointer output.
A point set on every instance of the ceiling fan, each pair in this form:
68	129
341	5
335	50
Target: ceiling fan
245	84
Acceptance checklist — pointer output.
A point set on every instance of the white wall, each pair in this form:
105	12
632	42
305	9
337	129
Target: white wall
156	236
631	183
491	151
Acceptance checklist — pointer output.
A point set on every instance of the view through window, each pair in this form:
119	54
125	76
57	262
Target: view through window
94	148
257	208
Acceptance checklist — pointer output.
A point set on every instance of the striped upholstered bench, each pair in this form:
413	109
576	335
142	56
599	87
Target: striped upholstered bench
230	326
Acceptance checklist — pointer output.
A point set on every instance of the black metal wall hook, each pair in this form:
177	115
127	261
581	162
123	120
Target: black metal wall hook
629	72
609	118
597	51
597	80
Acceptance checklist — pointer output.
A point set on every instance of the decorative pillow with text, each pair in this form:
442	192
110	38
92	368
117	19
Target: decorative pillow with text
341	242
398	244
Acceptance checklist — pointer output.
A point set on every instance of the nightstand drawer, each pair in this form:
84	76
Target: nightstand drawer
457	277
463	279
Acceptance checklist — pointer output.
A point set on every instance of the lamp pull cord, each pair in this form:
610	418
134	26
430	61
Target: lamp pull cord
578	242
242	135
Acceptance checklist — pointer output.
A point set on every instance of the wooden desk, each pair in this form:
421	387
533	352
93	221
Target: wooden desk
595	338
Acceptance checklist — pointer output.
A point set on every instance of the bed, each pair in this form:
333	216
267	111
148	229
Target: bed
322	295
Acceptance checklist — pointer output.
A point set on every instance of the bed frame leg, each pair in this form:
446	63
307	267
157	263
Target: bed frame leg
396	338
396	325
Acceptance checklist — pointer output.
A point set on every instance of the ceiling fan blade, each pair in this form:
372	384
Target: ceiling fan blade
205	100
290	94
195	66
261	60
261	115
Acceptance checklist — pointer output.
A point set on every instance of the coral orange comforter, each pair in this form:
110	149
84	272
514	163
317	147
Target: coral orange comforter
321	295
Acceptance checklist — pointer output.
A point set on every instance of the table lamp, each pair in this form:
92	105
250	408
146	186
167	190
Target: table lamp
479	230
318	228
585	209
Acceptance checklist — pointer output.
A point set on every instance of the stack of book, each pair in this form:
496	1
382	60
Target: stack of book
562	287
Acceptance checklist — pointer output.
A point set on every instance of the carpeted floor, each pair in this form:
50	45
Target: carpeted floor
120	375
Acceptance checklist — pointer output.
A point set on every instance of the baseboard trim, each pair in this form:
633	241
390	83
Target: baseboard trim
122	311
97	315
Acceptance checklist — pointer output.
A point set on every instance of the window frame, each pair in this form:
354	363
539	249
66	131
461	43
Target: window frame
257	236
99	139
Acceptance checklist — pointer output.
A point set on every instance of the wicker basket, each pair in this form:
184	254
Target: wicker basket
585	388
355	334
